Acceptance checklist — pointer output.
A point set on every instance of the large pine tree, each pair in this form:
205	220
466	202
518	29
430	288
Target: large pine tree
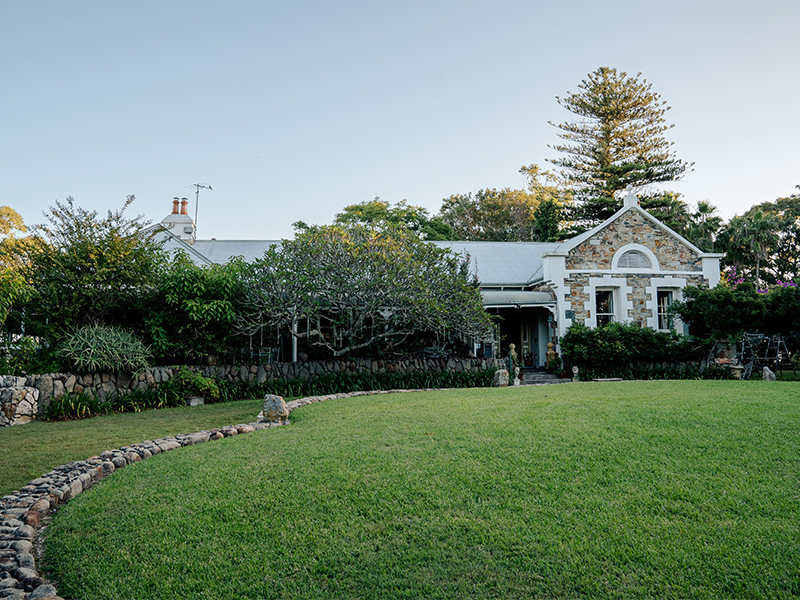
618	141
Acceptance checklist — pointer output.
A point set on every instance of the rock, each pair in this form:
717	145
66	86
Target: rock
42	592
33	518
58	388
8	582
21	546
275	409
26	561
28	576
14	594
24	532
768	375
500	378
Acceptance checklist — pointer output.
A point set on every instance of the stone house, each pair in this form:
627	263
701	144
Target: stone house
628	269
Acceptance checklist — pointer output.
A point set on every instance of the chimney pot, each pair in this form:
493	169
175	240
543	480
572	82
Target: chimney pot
184	204
175	203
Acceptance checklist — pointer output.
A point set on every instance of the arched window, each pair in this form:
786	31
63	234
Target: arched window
633	259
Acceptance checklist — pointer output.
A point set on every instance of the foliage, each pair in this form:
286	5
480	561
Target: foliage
729	310
85	270
491	215
508	215
638	372
14	286
26	355
749	239
348	288
190	310
381	214
186	383
10	220
764	243
85	405
98	348
618	141
619	347
722	311
703	226
547	221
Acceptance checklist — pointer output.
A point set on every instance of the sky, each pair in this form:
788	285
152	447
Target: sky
293	110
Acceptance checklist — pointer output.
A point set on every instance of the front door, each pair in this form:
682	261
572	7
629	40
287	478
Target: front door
529	334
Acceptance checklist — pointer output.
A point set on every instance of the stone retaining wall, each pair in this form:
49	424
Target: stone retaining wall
32	394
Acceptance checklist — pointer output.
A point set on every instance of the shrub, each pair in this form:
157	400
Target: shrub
187	383
27	355
85	405
97	348
617	349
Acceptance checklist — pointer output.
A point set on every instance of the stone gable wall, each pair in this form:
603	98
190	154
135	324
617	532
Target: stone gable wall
597	252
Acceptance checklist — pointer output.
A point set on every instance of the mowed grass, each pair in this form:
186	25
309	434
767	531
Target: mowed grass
609	490
27	451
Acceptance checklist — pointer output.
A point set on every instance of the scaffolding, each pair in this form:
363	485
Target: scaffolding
757	351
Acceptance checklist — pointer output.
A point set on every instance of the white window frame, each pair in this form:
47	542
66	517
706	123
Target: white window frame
655	267
664	284
612	314
621	304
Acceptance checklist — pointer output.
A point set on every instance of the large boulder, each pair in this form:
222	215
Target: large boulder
274	410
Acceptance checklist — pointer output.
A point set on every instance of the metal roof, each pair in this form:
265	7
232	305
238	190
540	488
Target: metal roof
516	298
503	263
222	251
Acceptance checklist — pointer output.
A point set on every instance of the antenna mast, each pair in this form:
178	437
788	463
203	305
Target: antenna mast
198	187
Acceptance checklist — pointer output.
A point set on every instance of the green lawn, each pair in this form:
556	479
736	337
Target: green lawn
604	490
28	451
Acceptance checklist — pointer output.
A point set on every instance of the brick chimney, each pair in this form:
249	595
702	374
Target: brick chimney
179	222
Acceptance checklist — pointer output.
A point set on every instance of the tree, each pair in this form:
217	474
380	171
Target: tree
85	270
618	141
749	241
721	311
9	221
783	260
13	286
509	215
348	288
380	213
505	215
190	310
703	226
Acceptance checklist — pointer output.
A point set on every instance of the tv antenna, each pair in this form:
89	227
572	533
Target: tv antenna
197	187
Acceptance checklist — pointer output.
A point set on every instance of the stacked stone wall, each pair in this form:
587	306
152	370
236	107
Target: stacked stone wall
24	397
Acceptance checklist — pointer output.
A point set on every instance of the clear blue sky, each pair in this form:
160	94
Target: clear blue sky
292	110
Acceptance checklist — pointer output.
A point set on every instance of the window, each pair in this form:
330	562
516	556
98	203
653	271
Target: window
604	307
633	259
664	301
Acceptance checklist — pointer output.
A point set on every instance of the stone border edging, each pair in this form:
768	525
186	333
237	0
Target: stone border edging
22	513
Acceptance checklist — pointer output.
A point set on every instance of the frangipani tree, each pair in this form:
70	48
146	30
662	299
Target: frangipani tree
351	287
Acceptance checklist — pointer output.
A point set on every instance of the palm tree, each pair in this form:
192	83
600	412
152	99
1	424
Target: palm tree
750	239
